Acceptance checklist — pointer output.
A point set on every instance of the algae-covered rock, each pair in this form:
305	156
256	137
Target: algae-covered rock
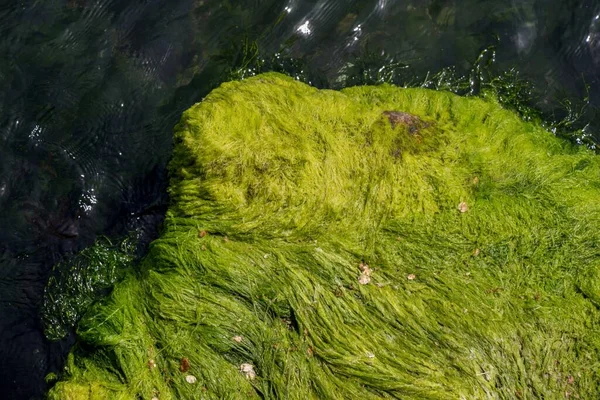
376	242
77	282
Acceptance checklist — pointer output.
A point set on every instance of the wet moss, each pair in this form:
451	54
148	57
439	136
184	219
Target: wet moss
314	249
76	283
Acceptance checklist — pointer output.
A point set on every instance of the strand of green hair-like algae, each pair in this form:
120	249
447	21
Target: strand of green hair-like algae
314	250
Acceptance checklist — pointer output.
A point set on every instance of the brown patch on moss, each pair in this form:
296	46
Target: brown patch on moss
412	122
412	134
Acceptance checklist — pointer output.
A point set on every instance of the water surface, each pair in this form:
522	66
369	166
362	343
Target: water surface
91	90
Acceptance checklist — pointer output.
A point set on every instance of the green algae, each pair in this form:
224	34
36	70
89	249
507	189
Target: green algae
568	117
77	283
477	233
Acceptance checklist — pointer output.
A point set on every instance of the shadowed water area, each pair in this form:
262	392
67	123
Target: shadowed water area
91	90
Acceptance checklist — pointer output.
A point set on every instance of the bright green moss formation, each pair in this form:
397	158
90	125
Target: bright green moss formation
280	191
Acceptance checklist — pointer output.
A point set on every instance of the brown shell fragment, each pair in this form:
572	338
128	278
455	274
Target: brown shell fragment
364	268
365	275
184	365
463	207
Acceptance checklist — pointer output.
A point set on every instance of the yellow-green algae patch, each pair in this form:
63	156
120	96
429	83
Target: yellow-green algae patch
320	246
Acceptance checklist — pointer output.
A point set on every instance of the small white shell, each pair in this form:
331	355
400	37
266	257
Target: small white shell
363	279
191	379
248	370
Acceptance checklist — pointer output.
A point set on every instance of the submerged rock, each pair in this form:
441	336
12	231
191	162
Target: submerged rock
321	181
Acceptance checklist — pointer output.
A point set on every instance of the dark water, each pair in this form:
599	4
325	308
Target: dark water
90	91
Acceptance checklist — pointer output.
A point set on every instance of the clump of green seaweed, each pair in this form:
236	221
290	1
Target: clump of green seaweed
374	242
573	119
78	282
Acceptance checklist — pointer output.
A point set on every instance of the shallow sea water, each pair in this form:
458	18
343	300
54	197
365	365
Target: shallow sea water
90	91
